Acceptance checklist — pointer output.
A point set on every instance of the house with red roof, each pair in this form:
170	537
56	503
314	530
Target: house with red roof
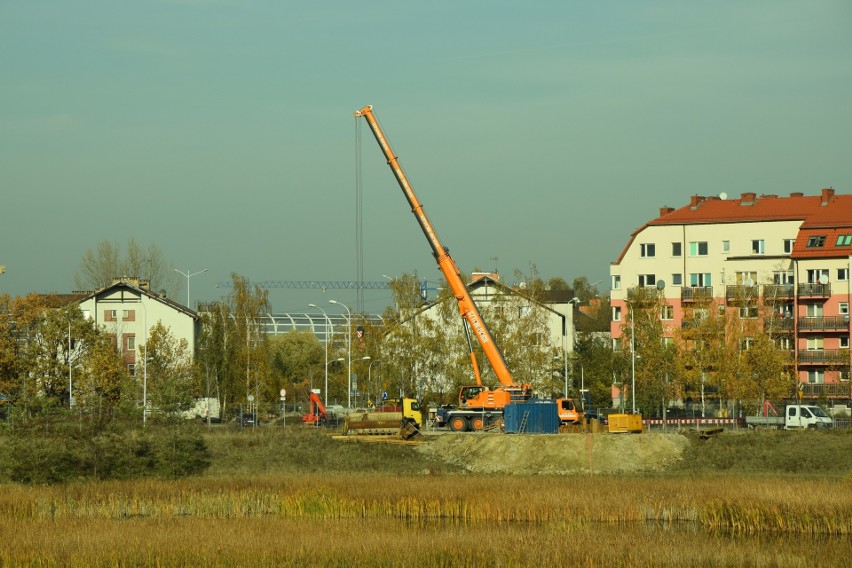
792	253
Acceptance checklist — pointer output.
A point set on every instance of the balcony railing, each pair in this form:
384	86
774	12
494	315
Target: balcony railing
642	295
778	292
696	293
824	323
778	325
741	294
827	390
814	290
824	357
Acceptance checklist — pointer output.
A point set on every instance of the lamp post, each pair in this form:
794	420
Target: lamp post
70	392
327	325
364	358
338	360
370	377
632	359
349	350
189	275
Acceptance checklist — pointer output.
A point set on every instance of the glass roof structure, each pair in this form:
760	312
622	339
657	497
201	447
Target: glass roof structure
320	325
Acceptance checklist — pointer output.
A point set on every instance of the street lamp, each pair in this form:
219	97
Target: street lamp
370	377
364	358
632	359
338	360
188	276
349	349
327	325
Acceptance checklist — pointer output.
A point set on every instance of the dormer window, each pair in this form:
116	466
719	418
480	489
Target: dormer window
844	240
816	241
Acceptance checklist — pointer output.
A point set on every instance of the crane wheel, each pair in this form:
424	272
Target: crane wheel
477	424
458	424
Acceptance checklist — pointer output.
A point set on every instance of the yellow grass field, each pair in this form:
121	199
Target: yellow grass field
430	520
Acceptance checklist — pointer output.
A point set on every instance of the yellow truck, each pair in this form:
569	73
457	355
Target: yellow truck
403	418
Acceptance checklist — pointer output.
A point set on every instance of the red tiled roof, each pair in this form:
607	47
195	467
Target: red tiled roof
829	249
762	208
825	210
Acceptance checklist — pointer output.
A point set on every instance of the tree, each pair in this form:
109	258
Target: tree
99	266
169	371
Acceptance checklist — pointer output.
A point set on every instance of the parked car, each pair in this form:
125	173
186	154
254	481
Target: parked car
249	419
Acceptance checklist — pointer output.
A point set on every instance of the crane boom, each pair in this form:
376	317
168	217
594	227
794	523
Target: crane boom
467	307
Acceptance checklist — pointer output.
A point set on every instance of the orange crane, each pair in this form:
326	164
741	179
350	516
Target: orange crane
478	405
317	415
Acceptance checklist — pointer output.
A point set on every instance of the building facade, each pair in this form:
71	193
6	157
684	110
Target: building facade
791	254
128	309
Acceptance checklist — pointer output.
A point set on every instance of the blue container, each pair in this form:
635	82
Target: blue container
534	417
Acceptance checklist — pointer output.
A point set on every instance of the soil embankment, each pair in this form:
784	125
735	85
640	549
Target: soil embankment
557	454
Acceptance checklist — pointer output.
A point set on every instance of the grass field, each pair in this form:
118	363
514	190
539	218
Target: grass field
297	498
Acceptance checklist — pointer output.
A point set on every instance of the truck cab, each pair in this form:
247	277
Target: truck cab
802	416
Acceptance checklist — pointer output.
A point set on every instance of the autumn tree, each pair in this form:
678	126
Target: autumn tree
169	371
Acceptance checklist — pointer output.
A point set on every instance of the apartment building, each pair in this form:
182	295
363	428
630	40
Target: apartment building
792	253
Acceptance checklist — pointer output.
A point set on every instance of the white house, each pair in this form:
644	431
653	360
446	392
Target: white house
128	309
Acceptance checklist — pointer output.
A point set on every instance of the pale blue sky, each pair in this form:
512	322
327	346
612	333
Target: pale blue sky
534	132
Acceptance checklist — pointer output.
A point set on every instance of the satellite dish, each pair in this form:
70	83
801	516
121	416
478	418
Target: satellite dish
723	195
660	284
823	279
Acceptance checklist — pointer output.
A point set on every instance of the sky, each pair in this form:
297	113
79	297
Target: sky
537	135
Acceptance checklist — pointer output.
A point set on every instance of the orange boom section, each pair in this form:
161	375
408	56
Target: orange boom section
472	396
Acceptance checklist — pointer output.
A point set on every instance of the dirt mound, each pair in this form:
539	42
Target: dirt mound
562	454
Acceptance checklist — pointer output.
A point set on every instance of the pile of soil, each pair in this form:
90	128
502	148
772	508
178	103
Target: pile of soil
556	454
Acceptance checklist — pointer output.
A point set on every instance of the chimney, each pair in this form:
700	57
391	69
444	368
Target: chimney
747	198
695	201
827	194
666	210
797	194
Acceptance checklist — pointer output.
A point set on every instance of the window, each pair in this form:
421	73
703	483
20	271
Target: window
524	311
757	246
698	248
746	278
842	274
647	280
748	312
129	315
844	240
784	343
746	343
668	341
815	343
131	342
816	241
782	277
844	342
726	247
676	249
616	344
816	377
788	245
699	279
616	313
677	279
616	282
843	308
647	250
667	312
109	315
815	274
131	369
814	310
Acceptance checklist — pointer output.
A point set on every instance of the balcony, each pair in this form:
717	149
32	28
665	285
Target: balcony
824	323
696	293
779	325
824	357
642	295
741	294
814	290
827	390
778	292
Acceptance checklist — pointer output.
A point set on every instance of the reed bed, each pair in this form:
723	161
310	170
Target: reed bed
749	505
